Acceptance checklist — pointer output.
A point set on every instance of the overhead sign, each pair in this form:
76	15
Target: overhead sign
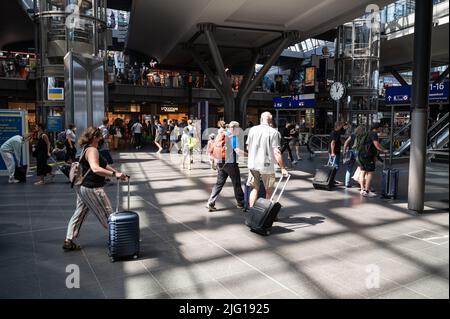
56	94
402	94
295	101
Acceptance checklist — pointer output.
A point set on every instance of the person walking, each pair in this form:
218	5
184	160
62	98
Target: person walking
137	131
351	152
104	147
70	142
185	149
159	135
285	141
228	166
91	196
263	144
42	153
294	133
11	153
334	149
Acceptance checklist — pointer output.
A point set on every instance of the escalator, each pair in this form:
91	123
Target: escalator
438	136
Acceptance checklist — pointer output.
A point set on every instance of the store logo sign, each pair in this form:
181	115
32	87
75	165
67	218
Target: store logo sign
169	109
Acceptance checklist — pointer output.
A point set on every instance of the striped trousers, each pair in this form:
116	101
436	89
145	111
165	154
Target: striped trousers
92	200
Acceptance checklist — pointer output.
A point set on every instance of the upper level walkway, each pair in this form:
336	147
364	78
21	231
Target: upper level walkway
325	244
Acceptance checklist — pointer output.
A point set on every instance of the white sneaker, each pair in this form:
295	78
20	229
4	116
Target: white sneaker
13	181
371	194
294	162
363	193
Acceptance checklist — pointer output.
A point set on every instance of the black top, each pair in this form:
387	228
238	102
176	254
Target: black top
285	136
336	136
93	180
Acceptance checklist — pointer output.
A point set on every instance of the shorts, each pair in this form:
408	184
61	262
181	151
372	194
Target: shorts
255	176
294	142
367	164
158	138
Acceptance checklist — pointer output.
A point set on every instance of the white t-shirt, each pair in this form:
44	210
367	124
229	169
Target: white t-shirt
137	128
262	141
70	135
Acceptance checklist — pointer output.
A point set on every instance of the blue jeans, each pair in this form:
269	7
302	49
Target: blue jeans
336	159
349	168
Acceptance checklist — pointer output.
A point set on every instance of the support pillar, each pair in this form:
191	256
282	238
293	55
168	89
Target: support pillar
419	116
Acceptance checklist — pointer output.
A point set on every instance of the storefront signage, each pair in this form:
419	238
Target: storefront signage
169	109
402	94
54	124
295	101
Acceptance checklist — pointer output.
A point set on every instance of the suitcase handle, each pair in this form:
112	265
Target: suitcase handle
118	195
282	190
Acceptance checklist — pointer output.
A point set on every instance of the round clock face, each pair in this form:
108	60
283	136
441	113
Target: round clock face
337	91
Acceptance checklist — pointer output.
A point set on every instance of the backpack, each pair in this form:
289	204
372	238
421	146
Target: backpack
219	151
361	142
76	176
62	137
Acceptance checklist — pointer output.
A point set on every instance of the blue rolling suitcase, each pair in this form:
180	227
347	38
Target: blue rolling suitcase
124	231
389	181
247	191
261	216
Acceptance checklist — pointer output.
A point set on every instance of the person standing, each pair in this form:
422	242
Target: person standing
294	132
91	195
228	166
263	144
11	153
71	138
104	148
42	152
349	148
367	157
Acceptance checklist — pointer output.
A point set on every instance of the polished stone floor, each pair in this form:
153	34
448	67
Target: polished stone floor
325	244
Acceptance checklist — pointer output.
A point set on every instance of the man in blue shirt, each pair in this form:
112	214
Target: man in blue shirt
228	167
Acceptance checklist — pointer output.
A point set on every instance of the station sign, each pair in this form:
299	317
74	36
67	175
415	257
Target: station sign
295	101
402	94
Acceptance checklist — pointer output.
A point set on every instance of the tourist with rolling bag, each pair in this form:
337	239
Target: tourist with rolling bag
261	216
124	231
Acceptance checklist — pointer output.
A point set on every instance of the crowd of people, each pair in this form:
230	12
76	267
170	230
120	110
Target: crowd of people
263	147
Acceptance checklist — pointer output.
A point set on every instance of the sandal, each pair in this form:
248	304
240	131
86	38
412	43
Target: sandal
39	183
70	245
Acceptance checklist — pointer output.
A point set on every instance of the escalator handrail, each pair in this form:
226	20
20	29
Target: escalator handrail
404	128
439	122
435	136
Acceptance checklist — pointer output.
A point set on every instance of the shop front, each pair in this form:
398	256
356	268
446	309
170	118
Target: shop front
173	112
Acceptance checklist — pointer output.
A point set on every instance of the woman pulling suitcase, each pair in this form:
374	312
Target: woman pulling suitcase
91	196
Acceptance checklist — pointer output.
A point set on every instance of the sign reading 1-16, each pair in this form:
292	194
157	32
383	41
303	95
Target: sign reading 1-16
402	94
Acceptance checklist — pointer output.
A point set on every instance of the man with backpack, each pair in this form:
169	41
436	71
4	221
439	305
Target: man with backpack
137	129
225	151
368	150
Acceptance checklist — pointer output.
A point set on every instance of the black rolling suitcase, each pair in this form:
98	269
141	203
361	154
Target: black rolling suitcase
124	231
247	191
20	173
261	216
324	176
389	182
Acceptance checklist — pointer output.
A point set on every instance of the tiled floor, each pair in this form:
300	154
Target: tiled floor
325	244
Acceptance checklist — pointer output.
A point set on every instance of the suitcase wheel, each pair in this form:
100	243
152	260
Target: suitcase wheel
267	232
135	257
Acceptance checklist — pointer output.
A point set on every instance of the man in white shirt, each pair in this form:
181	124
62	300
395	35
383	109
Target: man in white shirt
11	152
263	151
137	129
